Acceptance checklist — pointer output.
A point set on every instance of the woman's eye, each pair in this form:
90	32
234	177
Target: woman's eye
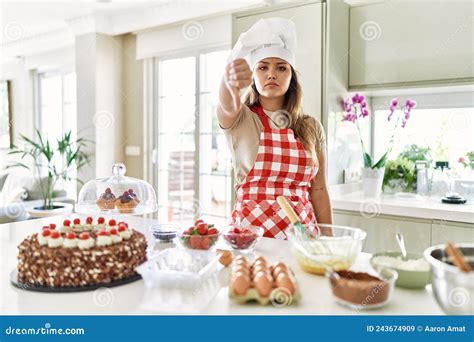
282	68
263	68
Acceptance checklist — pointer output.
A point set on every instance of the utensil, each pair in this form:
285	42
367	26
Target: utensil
457	258
401	244
294	220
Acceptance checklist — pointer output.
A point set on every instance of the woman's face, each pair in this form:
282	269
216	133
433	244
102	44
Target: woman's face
272	77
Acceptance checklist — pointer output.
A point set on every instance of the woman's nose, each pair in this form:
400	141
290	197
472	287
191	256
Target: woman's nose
271	75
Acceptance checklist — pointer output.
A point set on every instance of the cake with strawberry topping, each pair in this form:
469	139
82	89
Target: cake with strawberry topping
81	254
106	200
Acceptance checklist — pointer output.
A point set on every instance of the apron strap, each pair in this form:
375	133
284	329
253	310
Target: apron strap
257	109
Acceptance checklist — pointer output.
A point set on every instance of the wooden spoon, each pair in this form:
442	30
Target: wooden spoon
457	258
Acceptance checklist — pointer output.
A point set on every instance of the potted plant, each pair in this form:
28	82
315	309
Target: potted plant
399	175
468	163
356	109
45	159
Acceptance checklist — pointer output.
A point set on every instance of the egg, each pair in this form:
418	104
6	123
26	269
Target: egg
226	261
241	259
284	281
241	269
240	284
279	264
278	270
262	274
259	260
259	268
263	285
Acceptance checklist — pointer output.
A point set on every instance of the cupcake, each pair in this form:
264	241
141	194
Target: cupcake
107	200
126	203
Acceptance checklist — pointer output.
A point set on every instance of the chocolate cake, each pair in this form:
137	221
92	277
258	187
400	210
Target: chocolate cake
82	255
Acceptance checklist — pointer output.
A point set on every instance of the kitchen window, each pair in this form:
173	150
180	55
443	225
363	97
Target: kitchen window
57	112
442	122
192	165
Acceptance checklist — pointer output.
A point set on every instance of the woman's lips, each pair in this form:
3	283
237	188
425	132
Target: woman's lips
271	85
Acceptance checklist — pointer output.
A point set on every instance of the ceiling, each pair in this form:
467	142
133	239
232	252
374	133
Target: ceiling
23	19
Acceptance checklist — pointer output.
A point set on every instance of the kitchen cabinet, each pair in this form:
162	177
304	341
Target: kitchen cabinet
419	234
444	231
308	19
381	230
395	43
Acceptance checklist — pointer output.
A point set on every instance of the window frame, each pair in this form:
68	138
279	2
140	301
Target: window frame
154	65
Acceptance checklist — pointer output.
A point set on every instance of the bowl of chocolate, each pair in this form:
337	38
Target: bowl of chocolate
453	286
360	290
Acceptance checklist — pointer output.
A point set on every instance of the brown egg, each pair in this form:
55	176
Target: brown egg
278	270
283	280
241	269
240	284
241	259
279	264
263	285
261	274
225	260
259	260
259	268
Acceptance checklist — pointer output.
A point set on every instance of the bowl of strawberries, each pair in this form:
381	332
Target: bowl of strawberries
201	236
242	239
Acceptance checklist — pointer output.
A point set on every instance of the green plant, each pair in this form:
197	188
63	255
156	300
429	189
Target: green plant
400	172
43	155
414	152
467	161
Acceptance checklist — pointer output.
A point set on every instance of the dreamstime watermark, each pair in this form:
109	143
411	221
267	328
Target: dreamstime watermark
15	210
370	208
281	297
282	119
13	31
370	30
192	30
46	330
458	297
103	297
103	119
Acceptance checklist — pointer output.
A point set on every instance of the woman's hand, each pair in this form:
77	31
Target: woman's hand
237	76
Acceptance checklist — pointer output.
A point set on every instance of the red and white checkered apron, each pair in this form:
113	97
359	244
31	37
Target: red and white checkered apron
282	167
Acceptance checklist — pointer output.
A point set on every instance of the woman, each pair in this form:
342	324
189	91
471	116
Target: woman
276	149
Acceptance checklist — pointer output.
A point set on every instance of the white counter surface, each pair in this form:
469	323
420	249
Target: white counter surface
134	298
421	207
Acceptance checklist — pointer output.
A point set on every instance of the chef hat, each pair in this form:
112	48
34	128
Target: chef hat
272	37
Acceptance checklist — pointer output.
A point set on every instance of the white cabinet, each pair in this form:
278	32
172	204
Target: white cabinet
452	232
402	42
381	231
308	22
419	234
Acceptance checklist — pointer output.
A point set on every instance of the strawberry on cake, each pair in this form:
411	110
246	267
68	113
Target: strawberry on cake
76	258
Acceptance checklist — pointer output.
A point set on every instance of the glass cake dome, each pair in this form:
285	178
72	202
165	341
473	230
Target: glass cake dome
117	194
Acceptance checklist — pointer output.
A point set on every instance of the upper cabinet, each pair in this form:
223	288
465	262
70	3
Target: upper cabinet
308	19
398	43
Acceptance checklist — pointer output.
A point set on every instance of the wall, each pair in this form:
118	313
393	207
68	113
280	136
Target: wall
133	105
22	102
344	150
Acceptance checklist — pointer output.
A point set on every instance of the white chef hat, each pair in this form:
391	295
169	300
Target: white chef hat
272	37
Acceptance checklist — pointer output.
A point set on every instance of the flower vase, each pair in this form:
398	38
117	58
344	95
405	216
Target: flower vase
372	180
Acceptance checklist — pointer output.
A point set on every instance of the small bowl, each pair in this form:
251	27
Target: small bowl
410	279
452	289
164	233
199	242
360	291
242	239
315	254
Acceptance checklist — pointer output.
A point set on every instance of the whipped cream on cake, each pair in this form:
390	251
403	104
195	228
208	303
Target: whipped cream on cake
72	257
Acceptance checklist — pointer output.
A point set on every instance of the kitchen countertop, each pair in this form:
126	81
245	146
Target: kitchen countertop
342	198
135	298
